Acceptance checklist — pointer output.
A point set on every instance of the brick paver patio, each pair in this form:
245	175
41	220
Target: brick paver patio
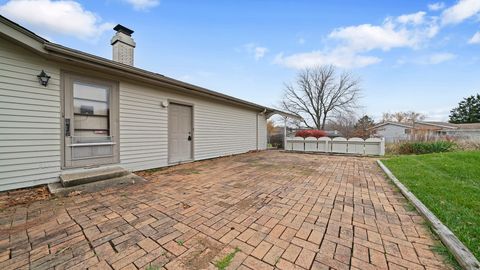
283	210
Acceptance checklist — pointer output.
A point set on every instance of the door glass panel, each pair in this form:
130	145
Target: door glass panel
82	106
90	92
90	122
91	112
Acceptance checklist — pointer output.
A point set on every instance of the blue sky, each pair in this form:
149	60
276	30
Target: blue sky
410	55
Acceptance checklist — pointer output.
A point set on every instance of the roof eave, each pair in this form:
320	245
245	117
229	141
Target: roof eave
436	125
27	38
391	123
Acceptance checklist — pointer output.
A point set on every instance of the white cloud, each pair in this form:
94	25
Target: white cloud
440	114
258	52
409	30
430	59
353	45
405	31
64	17
143	4
475	39
438	58
436	6
461	11
340	57
367	37
301	41
414	18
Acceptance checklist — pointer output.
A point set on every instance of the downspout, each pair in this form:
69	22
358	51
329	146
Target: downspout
257	131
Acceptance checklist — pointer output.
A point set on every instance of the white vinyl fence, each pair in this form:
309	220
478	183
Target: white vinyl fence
354	146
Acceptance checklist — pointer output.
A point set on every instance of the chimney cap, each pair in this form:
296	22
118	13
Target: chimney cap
123	29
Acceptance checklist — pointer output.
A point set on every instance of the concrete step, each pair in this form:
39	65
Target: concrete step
59	190
76	178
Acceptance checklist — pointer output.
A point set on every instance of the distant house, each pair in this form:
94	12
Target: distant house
394	131
468	131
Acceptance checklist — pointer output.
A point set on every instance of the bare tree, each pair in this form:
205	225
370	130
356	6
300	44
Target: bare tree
403	117
320	92
270	126
344	124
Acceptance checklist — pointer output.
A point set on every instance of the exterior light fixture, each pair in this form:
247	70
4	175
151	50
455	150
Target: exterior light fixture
43	78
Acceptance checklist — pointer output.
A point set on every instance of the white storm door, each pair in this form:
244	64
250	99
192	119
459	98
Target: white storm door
90	122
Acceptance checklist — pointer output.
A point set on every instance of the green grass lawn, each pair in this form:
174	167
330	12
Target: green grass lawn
449	185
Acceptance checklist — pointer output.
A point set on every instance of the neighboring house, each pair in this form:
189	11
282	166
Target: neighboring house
421	130
392	131
470	131
95	112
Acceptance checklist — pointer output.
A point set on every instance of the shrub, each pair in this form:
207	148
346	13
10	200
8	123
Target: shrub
468	145
277	140
311	133
425	147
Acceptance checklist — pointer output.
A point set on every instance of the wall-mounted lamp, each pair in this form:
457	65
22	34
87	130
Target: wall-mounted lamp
43	78
164	104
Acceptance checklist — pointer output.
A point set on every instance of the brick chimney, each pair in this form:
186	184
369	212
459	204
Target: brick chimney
123	45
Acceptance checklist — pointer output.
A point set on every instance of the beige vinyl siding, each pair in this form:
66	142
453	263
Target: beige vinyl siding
143	132
29	119
223	130
219	129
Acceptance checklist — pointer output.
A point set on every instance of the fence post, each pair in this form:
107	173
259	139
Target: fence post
382	147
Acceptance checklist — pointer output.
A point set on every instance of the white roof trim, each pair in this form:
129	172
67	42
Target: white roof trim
391	123
436	125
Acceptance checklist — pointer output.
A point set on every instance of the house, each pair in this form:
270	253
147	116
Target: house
468	131
392	131
421	130
64	111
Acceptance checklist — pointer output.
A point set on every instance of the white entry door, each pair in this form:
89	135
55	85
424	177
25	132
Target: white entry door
180	135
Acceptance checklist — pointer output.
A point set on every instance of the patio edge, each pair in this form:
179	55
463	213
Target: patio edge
461	253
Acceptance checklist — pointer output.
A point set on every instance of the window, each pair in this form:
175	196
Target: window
408	131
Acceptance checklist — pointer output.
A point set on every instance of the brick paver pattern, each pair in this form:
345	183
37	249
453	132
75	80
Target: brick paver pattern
282	210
